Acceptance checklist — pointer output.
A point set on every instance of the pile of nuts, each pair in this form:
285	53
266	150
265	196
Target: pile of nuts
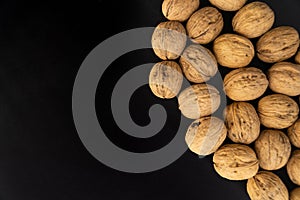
272	127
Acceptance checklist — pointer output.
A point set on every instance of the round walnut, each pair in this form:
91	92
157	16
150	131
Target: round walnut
245	84
228	5
199	100
284	78
198	64
169	40
235	162
242	122
294	133
295	194
293	167
297	57
179	10
273	149
253	20
277	111
205	25
266	185
233	51
205	135
278	44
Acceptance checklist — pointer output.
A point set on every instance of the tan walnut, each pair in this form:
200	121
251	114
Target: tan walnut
295	194
293	167
297	57
228	5
294	133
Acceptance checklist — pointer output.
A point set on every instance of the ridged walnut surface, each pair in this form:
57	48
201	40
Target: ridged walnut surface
228	5
294	133
293	167
295	194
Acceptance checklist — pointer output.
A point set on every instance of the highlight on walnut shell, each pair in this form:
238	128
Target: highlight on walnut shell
228	5
293	167
294	133
295	194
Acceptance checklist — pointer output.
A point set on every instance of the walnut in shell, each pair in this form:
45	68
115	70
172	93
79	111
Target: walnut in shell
228	5
294	133
297	57
295	194
293	167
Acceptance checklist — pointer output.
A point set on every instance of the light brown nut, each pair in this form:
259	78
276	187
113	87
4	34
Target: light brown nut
205	25
253	20
297	57
294	133
242	122
266	186
199	100
245	84
205	135
228	5
295	194
233	51
169	40
179	10
198	63
293	167
278	44
273	149
284	78
235	162
277	111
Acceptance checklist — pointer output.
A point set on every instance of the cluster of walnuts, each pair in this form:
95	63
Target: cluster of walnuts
277	113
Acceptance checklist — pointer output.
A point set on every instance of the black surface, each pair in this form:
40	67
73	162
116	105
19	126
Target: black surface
42	45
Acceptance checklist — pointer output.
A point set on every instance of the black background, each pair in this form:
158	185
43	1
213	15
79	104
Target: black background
42	45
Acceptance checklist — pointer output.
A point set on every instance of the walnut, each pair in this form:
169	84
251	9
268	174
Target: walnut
297	57
293	167
295	194
294	133
228	5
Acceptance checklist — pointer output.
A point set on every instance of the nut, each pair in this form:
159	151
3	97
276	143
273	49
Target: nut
294	133
293	167
295	194
228	5
297	57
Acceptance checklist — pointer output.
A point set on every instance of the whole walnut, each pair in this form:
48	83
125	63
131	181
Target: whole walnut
245	84
242	122
297	57
205	135
253	20
235	162
266	185
228	5
233	51
278	44
169	40
295	194
284	78
277	111
294	133
179	10
199	100
293	167
273	149
198	63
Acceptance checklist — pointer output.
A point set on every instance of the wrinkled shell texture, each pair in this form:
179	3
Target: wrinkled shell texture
245	84
199	100
294	133
242	122
266	186
278	44
205	135
295	194
297	57
228	5
273	149
284	78
169	40
235	162
253	20
198	63
205	25
293	167
233	51
277	111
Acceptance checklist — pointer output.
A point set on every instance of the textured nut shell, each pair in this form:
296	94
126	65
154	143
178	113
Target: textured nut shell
297	57
205	135
278	44
245	84
293	167
205	25
277	111
295	194
228	5
266	186
242	122
199	100
233	51
169	40
253	20
294	133
179	10
235	162
198	63
273	149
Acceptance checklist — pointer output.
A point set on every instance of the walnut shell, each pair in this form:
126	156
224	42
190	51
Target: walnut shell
233	51
242	122
277	111
205	25
265	186
245	84
235	162
278	44
169	40
293	167
205	135
297	57
253	20
295	194
284	78
179	10
273	149
198	63
199	100
228	5
294	133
